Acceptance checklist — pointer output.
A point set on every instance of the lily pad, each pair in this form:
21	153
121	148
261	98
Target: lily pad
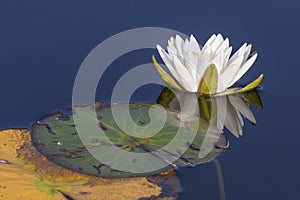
56	137
27	174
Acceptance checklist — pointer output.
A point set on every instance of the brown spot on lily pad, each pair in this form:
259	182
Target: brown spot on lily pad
84	193
102	126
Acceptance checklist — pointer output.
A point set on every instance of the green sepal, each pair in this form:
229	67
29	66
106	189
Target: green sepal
252	85
164	75
253	98
209	81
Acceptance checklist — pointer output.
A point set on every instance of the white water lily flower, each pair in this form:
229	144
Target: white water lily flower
207	70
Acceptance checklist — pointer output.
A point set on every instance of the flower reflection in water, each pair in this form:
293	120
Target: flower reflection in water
222	111
227	111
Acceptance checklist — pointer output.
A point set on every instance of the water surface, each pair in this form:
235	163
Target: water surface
42	45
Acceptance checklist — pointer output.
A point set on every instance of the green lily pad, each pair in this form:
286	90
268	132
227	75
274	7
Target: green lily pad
57	137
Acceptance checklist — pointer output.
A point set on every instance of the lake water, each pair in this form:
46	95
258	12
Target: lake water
43	44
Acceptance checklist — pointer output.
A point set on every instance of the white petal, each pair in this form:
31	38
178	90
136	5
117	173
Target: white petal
218	61
223	46
186	48
245	67
231	71
165	57
194	45
171	47
221	86
240	126
169	63
221	103
210	40
226	58
207	52
240	52
241	106
190	63
231	121
186	45
240	118
188	103
228	75
179	46
186	78
216	43
202	64
163	54
247	52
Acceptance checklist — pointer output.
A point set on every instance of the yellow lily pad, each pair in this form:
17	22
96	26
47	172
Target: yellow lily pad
27	174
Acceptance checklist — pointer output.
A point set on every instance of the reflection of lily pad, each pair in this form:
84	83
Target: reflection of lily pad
56	137
26	174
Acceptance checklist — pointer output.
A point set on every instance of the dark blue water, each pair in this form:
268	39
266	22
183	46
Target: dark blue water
43	43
